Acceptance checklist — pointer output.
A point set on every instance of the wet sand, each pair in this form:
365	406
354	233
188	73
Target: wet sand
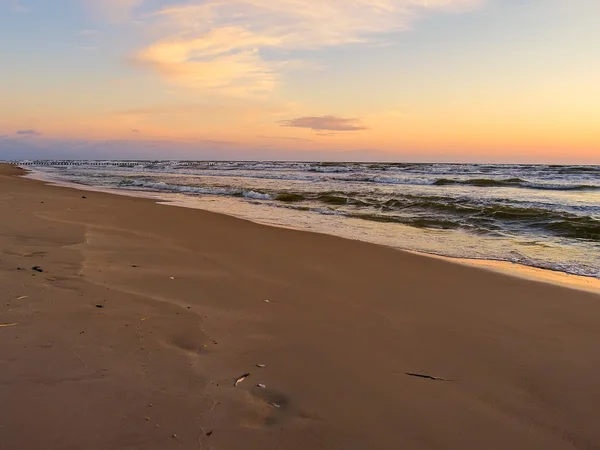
145	314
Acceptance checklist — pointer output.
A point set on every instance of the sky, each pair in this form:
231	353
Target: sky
513	81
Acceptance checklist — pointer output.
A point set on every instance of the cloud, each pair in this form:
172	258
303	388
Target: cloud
135	131
325	124
190	64
220	44
28	132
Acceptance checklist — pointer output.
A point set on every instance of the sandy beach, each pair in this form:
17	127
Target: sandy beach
140	317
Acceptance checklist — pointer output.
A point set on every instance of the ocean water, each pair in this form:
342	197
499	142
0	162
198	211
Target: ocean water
537	215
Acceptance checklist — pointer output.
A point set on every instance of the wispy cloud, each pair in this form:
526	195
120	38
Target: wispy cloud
219	44
191	64
325	124
28	132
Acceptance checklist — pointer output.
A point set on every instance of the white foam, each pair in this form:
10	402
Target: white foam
256	195
245	194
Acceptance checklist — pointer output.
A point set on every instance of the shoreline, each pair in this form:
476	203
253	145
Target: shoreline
532	273
137	321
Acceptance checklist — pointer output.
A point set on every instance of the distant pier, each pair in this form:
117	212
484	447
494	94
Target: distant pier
79	163
67	163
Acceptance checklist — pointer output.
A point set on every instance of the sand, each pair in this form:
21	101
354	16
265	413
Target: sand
144	315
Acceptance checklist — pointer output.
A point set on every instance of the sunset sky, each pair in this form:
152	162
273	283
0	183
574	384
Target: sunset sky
406	80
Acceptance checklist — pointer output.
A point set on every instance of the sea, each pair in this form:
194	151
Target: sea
543	216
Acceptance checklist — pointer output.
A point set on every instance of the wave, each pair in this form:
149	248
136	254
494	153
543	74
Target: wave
479	182
256	195
580	227
332	169
474	182
586	228
562	187
435	212
290	197
441	212
527	208
578	170
550	178
333	198
176	188
360	177
418	222
514	182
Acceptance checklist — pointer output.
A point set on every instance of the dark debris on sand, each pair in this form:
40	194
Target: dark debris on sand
428	377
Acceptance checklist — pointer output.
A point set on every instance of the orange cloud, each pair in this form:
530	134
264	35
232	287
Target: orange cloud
217	44
214	62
